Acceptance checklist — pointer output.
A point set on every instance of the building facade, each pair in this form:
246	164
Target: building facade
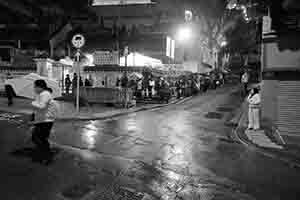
281	74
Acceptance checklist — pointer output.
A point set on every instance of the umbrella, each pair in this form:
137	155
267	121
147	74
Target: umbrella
135	76
23	86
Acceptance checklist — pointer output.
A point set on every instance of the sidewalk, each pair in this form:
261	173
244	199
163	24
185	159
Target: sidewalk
68	111
266	140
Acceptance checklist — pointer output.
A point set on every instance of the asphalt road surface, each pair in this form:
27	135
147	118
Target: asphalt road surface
181	151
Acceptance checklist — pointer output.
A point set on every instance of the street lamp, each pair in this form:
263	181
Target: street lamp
184	34
223	43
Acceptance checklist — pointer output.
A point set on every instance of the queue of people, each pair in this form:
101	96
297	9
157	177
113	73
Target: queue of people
163	88
72	84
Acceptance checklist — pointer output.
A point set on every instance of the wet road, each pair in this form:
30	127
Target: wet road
181	138
180	152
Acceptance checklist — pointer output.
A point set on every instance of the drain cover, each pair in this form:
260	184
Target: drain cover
78	191
119	193
225	109
129	194
214	115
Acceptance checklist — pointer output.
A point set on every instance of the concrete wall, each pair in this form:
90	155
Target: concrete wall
269	99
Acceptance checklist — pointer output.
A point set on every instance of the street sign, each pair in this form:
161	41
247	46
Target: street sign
78	41
188	15
106	58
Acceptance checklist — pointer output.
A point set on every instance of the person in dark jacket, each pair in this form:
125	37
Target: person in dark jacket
87	83
74	83
80	82
68	83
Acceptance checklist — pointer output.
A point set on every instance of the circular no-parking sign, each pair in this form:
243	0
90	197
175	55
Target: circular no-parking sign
78	41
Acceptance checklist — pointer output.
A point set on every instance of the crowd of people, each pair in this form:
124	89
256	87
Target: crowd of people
153	87
162	87
72	84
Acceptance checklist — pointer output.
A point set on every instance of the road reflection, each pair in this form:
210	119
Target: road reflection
89	135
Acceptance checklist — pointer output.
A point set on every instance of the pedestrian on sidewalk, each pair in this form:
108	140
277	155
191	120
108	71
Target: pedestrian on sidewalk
68	83
44	116
74	84
151	87
254	101
10	94
245	81
9	91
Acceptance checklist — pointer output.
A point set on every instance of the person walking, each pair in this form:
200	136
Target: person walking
44	117
254	101
68	83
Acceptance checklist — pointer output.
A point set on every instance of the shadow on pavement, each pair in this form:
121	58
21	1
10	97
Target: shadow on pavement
31	153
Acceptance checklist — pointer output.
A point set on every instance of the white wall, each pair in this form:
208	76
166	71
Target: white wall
273	58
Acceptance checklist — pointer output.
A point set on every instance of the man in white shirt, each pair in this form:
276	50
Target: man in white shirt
151	87
254	101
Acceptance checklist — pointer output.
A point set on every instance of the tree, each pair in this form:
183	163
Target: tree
213	20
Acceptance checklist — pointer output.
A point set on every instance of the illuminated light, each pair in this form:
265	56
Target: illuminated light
188	15
136	59
89	135
90	60
184	34
120	2
232	4
223	43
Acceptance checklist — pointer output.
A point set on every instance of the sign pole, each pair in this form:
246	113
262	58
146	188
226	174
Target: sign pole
78	80
126	89
78	42
126	52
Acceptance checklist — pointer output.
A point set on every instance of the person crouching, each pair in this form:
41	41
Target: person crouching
254	101
45	114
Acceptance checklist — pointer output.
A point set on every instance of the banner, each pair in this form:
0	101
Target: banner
106	58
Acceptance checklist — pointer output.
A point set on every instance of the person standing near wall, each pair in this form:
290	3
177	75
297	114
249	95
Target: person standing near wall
245	81
254	101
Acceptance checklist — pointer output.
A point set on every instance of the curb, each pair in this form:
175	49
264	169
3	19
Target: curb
253	147
175	102
118	114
